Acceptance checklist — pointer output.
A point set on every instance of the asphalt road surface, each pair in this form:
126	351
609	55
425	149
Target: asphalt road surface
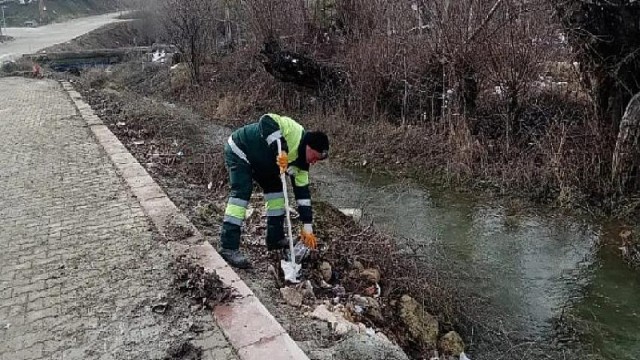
31	40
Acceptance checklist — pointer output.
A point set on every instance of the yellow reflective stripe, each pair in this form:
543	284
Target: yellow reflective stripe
236	211
275	204
302	178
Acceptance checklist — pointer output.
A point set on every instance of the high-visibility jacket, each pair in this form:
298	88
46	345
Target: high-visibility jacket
257	144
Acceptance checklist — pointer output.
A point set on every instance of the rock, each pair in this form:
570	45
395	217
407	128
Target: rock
364	346
371	307
325	270
292	296
336	319
422	326
370	275
451	344
322	313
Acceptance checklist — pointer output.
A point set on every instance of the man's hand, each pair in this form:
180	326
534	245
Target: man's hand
307	236
283	162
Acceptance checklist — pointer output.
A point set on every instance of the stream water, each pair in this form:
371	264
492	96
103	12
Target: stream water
531	266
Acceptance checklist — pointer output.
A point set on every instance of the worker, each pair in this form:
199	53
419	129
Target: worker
251	153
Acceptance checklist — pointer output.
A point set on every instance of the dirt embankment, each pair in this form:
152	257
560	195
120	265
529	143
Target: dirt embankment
122	34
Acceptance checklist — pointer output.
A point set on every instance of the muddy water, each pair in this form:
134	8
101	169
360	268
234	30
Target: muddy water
532	267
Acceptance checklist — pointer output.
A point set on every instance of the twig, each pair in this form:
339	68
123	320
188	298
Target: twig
484	23
364	231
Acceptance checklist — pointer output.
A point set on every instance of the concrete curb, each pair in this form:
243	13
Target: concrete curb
249	327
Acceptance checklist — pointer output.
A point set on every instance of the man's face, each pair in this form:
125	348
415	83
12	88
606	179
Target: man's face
313	156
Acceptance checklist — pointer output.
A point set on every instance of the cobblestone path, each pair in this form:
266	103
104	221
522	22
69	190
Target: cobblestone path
80	271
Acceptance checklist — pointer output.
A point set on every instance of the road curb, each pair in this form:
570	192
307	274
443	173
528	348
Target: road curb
249	327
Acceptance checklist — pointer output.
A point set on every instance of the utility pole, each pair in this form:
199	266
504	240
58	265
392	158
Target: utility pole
43	11
4	22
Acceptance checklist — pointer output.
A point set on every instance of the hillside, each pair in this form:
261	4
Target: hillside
17	12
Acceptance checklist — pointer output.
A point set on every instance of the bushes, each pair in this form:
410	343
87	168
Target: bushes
480	92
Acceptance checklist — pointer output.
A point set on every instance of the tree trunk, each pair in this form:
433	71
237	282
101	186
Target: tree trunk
606	37
627	153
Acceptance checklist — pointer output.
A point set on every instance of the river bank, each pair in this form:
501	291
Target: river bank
152	102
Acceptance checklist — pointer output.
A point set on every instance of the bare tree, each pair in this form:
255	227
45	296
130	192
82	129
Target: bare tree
605	36
191	27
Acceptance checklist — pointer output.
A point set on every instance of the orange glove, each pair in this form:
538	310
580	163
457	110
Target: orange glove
308	238
283	161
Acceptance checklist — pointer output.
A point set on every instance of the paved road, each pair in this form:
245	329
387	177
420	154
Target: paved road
30	40
80	268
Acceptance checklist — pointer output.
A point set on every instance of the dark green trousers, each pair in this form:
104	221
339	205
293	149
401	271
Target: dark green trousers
241	176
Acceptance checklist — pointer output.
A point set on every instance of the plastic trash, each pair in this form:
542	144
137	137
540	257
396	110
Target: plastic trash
463	356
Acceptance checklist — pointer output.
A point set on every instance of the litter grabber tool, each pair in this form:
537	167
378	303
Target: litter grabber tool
290	268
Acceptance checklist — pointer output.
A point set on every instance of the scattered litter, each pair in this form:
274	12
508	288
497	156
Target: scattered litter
138	142
301	252
210	185
463	357
6	326
120	123
356	214
159	56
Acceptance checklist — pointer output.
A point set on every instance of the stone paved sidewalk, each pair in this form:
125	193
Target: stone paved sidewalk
79	267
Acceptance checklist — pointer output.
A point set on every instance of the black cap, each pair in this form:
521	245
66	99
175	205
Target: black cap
318	141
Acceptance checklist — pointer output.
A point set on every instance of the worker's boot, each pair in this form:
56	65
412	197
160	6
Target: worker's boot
235	258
